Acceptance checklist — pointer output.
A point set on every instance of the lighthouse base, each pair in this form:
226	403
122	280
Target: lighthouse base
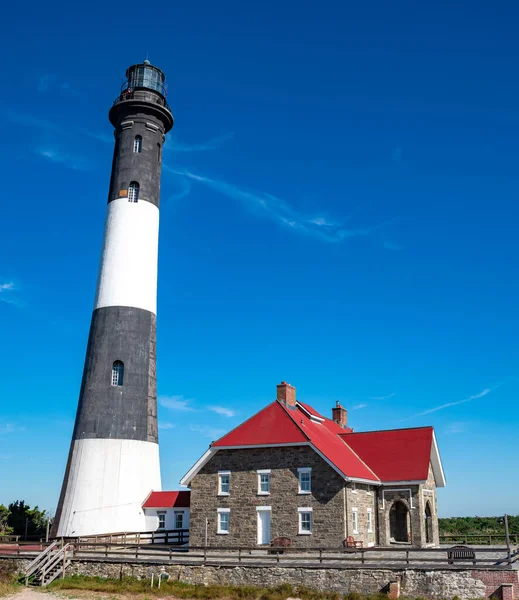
107	482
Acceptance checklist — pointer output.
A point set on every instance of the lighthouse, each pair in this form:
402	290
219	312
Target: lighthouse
113	462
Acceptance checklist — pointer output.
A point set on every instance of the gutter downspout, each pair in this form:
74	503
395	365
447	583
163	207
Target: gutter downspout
345	505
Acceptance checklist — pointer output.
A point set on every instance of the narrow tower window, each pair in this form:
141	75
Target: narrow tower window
159	152
117	373
133	192
137	143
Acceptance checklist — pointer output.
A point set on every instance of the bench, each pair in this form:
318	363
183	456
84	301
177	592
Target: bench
460	553
350	543
279	544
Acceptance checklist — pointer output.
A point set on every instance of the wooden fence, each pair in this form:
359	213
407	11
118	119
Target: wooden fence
488	557
478	538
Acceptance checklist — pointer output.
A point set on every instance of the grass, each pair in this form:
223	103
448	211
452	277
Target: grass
188	591
8	579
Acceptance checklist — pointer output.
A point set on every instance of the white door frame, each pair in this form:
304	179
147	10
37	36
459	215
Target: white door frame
261	521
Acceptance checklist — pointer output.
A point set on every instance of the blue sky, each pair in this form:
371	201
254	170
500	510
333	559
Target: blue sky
339	210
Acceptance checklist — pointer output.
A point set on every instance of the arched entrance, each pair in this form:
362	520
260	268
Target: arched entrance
399	522
428	523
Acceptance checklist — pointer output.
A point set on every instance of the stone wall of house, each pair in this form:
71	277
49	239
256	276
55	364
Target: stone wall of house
327	498
414	498
362	497
428	496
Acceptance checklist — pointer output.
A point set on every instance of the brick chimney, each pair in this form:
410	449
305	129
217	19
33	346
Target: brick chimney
286	394
340	415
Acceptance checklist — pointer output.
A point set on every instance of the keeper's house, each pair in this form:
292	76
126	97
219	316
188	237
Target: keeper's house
288	471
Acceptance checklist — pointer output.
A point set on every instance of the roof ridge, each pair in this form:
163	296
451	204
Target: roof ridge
384	430
298	425
242	423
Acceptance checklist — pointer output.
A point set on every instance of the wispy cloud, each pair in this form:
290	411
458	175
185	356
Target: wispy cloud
280	211
221	410
358	406
383	397
453	428
481	394
211	144
176	403
77	163
210	432
8	293
392	246
166	425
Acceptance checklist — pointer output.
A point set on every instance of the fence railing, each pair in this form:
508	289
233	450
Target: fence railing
177	537
478	538
333	557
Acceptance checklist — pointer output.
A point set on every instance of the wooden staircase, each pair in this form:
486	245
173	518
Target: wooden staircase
49	565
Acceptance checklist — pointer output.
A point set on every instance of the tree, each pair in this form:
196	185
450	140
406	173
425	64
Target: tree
4	517
22	515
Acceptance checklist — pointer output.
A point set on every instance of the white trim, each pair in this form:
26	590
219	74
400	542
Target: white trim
151	126
436	463
220	475
355	521
306	510
312	417
263	508
208	454
383	505
259	473
408	482
223	511
433	499
370	520
300	472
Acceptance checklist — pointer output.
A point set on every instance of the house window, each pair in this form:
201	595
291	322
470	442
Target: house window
370	520
305	521
224	483
179	519
264	482
305	480
133	192
137	143
355	520
223	520
117	373
162	520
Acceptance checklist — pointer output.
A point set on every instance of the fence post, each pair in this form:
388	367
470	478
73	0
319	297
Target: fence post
407	556
239	555
205	554
320	555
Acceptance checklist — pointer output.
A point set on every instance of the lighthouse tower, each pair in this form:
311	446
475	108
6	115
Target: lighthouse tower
113	462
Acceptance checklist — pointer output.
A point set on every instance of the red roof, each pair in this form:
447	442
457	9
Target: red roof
276	424
179	499
394	454
374	456
269	426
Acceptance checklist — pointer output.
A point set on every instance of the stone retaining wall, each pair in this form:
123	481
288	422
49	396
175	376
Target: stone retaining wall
435	584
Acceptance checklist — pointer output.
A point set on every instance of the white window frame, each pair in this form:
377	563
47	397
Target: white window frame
179	513
117	373
224	511
137	144
134	191
355	520
162	513
370	520
220	474
305	510
300	471
261	472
